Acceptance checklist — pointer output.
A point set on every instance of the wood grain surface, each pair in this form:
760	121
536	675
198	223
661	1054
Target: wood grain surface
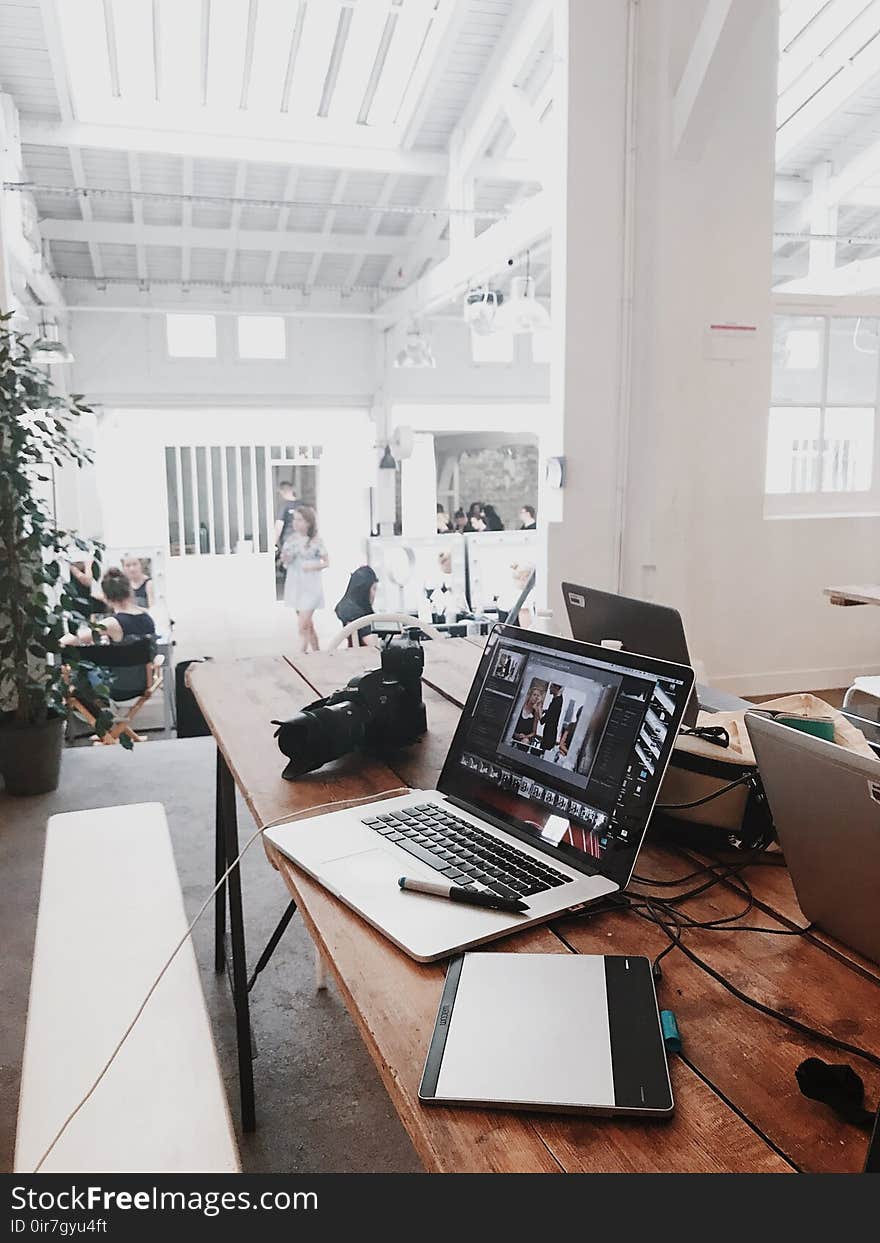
738	1106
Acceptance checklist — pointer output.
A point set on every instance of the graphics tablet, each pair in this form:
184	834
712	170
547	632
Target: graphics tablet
569	1033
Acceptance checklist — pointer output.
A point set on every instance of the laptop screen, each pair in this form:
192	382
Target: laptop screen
567	744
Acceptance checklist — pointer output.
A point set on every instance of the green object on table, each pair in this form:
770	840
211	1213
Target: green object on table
819	727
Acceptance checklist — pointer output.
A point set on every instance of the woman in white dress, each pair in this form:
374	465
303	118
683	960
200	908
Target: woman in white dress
304	556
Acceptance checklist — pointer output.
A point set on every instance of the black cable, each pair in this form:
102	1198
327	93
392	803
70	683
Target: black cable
796	1025
740	781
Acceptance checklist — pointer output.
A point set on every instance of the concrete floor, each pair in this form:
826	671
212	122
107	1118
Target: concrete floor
321	1105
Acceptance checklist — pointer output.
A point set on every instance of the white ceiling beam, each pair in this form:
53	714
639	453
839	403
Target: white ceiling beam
854	174
444	36
137	211
235	219
324	236
861	276
525	120
186	220
523	30
327	154
822	219
55	48
123	233
791	190
385	196
708	74
281	227
850	62
820	26
418	243
481	258
85	207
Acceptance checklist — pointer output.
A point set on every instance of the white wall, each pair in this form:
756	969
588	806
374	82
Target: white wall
695	533
122	358
218	600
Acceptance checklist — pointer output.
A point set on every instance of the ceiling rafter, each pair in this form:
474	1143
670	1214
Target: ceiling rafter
137	209
283	218
213	238
186	222
324	241
385	196
235	222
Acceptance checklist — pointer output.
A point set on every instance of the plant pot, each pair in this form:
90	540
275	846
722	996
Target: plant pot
30	756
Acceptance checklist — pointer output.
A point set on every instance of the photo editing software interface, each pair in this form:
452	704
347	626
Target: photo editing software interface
568	749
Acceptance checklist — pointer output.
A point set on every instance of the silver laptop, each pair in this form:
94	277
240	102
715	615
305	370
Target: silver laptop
545	796
825	802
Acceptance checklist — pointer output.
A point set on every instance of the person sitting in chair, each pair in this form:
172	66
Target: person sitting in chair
127	624
358	602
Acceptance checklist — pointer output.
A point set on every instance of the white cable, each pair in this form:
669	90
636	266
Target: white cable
340	804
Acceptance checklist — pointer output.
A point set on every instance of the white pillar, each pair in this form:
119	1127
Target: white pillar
664	229
590	38
418	488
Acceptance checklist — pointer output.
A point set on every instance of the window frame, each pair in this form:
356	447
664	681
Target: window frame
817	503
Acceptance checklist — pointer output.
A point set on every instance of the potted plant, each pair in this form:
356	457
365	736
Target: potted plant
37	429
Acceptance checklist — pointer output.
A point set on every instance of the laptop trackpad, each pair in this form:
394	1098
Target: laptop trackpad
368	881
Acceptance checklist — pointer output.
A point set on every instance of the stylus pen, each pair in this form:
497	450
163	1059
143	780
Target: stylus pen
473	897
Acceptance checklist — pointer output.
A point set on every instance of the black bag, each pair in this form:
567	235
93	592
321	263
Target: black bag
738	819
190	722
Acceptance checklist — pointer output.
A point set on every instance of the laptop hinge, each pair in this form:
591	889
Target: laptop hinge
585	865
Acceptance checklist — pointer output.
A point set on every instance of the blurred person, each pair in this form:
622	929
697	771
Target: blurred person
287	507
475	520
141	583
83	588
444	526
459	521
304	556
126	619
360	595
528	520
492	518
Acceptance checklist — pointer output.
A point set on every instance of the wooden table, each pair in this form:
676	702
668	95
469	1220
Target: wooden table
861	593
738	1107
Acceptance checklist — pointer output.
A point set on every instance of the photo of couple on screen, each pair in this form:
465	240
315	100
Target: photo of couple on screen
559	724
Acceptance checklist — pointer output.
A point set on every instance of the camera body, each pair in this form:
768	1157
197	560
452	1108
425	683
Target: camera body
377	711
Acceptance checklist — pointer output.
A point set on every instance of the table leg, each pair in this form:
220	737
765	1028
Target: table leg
226	789
219	868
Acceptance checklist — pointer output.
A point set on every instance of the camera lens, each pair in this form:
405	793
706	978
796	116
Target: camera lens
315	737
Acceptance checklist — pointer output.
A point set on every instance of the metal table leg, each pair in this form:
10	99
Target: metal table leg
228	822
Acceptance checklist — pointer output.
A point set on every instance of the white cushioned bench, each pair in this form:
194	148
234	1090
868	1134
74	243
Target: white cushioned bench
111	911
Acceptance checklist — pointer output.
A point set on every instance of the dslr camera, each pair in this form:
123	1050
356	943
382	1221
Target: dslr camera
380	710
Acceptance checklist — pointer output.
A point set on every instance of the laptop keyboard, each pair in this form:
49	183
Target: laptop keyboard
464	854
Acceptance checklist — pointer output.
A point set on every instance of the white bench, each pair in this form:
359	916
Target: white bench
110	913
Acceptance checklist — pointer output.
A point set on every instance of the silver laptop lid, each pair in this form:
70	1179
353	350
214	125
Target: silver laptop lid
825	802
565	745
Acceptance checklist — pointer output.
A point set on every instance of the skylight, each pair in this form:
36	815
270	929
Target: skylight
317	70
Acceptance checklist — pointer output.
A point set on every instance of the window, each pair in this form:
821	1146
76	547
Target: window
191	336
495	347
821	443
261	336
221	497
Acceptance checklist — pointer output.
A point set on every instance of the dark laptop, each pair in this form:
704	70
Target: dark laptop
648	629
